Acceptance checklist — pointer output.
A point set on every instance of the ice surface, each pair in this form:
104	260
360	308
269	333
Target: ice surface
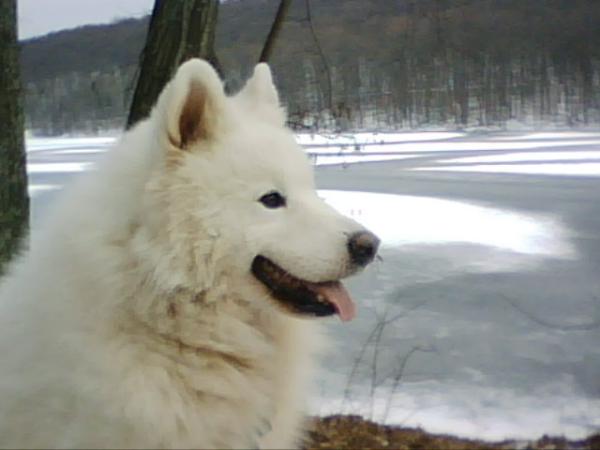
494	282
579	169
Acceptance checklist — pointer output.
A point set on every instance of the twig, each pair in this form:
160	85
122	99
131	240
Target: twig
578	327
357	362
374	362
322	55
398	378
267	50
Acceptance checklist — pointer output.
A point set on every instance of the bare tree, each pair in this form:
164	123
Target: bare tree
178	30
14	201
321	54
282	11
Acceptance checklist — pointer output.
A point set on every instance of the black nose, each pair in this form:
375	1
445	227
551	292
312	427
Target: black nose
363	247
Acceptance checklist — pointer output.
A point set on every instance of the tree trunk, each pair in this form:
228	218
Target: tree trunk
267	50
14	201
178	30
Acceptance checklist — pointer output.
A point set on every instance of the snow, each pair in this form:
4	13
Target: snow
58	168
43	144
370	138
581	169
325	160
35	189
526	157
380	147
82	151
329	150
402	220
453	146
550	135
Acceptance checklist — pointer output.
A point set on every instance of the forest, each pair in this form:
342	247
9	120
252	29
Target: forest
352	64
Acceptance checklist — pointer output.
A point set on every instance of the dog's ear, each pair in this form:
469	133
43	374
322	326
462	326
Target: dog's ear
261	87
260	95
193	104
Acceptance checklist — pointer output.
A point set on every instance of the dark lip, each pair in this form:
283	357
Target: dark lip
293	294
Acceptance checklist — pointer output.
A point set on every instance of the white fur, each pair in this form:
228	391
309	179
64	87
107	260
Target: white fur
133	319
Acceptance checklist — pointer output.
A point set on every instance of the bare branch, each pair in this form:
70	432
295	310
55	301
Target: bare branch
359	359
322	55
577	327
374	361
398	377
282	11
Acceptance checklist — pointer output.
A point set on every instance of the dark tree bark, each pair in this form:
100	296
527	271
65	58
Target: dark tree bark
282	11
178	30
200	36
14	201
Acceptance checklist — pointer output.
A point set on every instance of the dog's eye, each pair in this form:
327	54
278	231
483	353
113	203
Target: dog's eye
272	200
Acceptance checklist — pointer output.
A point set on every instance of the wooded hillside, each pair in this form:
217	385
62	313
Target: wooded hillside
391	64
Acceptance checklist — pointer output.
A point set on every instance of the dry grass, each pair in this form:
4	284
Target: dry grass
354	432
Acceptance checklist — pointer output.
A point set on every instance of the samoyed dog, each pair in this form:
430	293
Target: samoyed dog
170	300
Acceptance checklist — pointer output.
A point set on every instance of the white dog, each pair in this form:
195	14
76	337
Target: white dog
167	301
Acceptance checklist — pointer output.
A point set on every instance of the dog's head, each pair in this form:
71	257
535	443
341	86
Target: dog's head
237	199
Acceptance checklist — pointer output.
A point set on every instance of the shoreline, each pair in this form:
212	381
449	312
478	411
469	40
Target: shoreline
354	432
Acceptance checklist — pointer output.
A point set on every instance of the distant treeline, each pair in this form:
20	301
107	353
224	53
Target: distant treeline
369	63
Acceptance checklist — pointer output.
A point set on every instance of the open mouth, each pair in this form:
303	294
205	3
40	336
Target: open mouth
303	297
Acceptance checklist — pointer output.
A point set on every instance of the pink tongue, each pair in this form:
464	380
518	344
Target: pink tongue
337	294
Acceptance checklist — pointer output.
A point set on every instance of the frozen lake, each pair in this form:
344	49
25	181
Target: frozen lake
483	316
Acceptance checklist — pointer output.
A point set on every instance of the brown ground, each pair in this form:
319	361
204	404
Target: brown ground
353	432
